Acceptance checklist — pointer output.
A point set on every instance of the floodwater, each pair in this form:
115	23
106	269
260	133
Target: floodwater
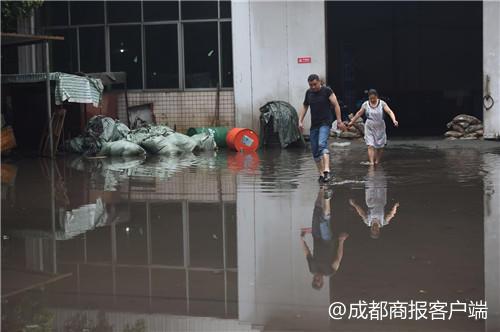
234	242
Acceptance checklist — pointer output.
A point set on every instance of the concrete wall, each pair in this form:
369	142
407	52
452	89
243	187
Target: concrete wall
492	240
491	65
268	37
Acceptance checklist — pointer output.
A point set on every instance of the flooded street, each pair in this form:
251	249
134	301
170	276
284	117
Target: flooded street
234	242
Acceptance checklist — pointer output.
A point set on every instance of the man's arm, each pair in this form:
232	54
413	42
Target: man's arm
335	103
305	248
302	114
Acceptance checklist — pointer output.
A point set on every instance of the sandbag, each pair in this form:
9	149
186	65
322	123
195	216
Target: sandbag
137	136
121	128
463	124
75	145
466	118
360	127
172	144
470	136
458	128
474	128
121	148
160	145
86	145
348	134
106	129
182	142
204	141
353	129
466	137
452	133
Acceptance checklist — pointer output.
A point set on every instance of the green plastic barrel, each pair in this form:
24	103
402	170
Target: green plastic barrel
220	134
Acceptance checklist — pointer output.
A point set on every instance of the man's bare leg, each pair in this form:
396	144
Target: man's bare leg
326	162
326	205
319	165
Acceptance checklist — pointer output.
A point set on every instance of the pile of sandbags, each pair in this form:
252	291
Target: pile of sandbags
464	126
104	136
99	131
355	132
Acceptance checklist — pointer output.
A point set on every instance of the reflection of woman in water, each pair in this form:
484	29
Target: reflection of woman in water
376	199
328	249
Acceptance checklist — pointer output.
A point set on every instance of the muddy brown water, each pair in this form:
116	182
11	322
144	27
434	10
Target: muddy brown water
213	242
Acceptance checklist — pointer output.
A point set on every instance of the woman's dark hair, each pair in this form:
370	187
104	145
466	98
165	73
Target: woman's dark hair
372	92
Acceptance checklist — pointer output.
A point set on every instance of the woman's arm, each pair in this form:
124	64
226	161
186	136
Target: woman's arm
391	114
358	209
392	213
357	116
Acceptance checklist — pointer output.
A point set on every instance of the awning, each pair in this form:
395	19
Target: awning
20	39
69	88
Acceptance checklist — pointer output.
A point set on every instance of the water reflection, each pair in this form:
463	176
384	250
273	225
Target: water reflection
328	248
376	199
134	235
226	241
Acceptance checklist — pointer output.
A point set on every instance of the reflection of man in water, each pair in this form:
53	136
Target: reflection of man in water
376	199
328	249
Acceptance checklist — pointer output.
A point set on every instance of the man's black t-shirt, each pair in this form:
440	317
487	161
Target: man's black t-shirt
324	251
324	255
321	112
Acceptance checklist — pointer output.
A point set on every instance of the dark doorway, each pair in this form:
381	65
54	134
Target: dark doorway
424	58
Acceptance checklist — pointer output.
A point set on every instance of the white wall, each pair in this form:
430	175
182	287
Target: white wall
268	37
491	164
491	65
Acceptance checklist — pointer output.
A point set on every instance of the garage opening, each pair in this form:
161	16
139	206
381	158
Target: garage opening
424	58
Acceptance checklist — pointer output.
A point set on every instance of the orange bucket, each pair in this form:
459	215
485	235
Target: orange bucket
242	139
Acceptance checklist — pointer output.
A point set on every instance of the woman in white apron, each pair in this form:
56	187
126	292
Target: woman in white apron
375	136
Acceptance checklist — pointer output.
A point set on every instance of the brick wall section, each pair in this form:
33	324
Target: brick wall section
184	109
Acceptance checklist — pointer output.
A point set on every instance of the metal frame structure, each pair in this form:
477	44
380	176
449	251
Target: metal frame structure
17	40
149	266
142	24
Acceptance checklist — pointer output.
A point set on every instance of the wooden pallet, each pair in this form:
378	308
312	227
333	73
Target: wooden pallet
58	117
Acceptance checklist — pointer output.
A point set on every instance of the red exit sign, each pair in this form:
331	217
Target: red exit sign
304	59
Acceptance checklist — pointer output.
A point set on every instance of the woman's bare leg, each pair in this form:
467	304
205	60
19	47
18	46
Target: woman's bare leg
378	155
371	155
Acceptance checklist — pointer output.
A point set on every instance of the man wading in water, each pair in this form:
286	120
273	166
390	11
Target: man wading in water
320	98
